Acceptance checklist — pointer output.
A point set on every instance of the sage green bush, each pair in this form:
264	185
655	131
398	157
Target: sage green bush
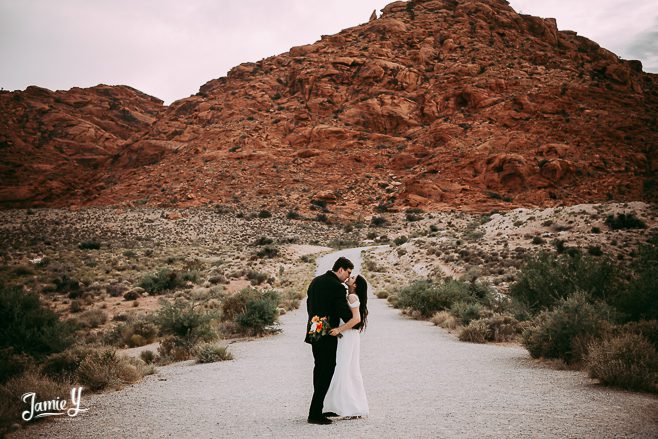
629	361
428	298
565	331
546	278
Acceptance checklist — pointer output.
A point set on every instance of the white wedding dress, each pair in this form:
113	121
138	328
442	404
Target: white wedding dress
346	395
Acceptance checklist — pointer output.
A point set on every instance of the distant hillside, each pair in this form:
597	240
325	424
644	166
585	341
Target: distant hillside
439	104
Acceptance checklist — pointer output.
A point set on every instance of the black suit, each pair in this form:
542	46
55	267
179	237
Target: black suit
326	298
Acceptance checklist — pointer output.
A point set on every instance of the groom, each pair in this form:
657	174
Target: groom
326	298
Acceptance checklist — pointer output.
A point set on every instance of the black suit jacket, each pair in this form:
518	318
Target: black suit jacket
327	298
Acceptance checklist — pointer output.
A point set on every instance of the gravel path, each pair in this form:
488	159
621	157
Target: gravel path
421	382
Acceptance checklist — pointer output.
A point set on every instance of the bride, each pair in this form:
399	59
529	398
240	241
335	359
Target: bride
346	395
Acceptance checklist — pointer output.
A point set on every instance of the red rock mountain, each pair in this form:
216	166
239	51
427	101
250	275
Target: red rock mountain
52	144
436	104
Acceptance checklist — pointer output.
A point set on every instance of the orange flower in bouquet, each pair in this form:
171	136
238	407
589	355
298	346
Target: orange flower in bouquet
318	327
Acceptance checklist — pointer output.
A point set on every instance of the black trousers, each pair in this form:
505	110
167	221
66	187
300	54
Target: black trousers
324	354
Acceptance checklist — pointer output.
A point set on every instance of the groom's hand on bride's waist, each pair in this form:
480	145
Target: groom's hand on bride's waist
335	332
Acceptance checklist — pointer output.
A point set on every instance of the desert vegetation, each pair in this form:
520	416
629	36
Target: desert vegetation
85	288
531	277
182	285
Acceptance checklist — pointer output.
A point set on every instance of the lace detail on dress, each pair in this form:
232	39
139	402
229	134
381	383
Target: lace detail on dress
355	304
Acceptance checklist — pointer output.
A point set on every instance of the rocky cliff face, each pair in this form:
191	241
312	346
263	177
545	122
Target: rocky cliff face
52	144
437	104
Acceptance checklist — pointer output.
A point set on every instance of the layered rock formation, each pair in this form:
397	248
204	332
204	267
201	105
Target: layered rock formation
437	104
52	144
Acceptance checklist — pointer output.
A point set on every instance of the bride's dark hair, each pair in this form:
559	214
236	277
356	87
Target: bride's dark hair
362	292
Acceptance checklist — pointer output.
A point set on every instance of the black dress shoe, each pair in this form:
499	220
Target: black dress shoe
320	421
330	415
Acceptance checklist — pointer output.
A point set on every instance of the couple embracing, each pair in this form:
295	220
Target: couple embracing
337	383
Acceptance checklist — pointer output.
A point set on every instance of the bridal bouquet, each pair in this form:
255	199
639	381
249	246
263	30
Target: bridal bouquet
318	327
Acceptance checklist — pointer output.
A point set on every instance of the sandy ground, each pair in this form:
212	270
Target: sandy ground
421	382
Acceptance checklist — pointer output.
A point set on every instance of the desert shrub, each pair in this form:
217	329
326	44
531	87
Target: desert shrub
137	340
115	290
164	280
378	221
473	235
89	245
218	279
75	306
495	328
475	332
293	215
264	240
131	295
91	367
256	277
174	348
629	361
564	331
291	299
538	240
559	245
625	221
34	381
393	300
424	297
133	332
413	216
147	356
428	298
382	294
466	312
102	368
92	318
259	313
544	279
28	327
64	365
210	353
638	300
445	320
187	320
500	327
264	214
13	363
189	276
595	250
400	240
236	304
508	306
65	283
268	252
646	328
143	328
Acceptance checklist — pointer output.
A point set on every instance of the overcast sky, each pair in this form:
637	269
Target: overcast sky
169	48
